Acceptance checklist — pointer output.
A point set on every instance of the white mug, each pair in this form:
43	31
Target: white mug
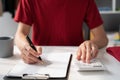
6	46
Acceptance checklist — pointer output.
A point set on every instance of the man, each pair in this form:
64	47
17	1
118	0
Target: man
58	22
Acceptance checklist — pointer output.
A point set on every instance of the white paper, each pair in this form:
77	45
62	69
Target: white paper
55	64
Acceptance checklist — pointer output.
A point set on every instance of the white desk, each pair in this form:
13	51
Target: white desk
112	65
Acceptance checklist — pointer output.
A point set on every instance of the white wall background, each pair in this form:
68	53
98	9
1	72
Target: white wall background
8	26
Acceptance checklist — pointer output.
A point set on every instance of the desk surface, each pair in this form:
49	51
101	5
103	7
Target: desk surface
111	64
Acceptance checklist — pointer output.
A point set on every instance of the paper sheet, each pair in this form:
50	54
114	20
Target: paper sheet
55	64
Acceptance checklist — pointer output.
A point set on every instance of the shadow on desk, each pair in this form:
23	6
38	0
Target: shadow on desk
93	73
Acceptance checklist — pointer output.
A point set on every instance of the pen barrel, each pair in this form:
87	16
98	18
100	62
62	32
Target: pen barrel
32	46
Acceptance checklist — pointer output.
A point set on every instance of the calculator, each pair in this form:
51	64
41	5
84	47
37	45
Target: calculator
94	65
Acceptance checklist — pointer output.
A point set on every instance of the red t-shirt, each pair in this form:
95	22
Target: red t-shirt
58	22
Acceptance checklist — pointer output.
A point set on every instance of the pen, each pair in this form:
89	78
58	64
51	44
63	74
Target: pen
31	44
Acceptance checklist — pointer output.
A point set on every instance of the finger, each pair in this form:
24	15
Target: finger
79	54
33	58
95	55
29	57
94	51
26	60
39	49
88	52
29	61
31	51
83	50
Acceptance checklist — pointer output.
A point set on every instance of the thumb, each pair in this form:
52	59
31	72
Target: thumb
39	49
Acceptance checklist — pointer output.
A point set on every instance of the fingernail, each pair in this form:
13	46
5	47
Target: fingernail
41	62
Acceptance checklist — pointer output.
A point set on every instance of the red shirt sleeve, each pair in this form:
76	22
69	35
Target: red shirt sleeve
93	17
24	13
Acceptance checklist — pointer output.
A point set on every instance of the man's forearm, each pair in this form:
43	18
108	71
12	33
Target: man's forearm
100	43
20	41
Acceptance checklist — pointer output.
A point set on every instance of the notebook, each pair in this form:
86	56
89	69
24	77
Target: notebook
56	65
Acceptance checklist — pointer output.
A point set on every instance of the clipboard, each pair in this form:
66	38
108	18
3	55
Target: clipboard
60	61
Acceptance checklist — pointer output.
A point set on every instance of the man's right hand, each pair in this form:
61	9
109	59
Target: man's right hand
29	55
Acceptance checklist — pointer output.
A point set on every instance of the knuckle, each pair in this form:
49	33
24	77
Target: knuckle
28	48
28	54
82	57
